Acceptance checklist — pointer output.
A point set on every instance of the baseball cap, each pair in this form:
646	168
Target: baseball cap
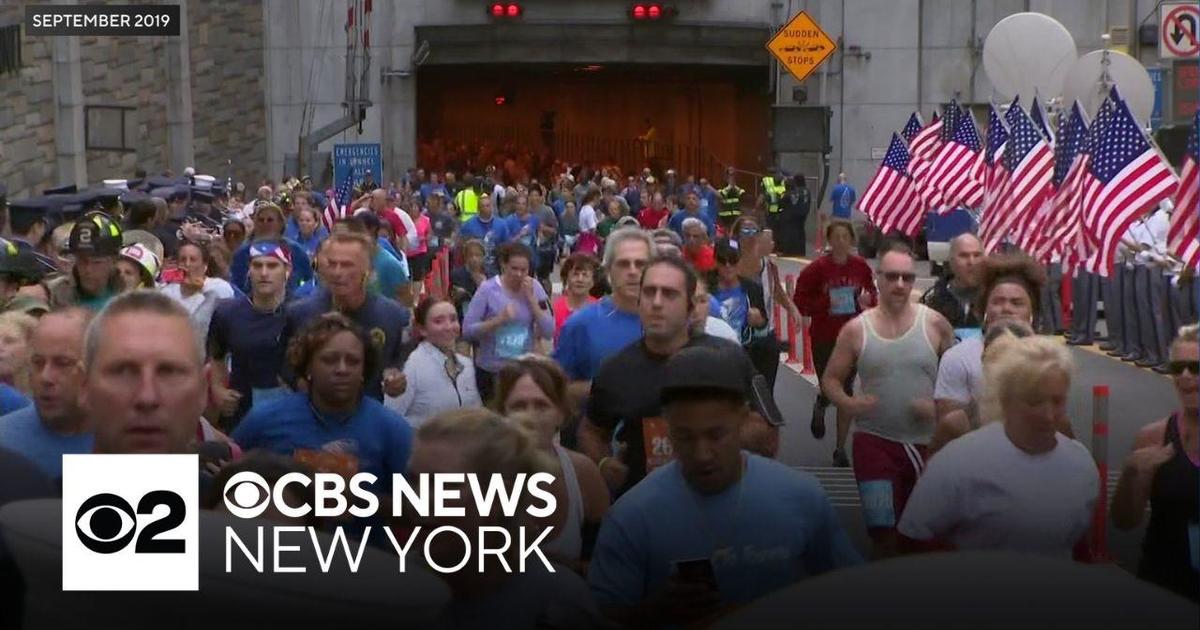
702	369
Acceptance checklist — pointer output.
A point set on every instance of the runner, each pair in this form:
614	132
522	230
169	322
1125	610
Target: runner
1162	471
600	330
533	391
196	291
578	275
741	303
1010	290
955	295
345	271
624	402
718	526
243	338
832	290
438	377
466	278
1015	485
269	225
53	425
703	322
696	249
481	442
895	348
143	388
335	426
489	230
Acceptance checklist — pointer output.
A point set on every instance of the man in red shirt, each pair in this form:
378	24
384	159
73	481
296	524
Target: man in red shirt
832	290
654	214
696	249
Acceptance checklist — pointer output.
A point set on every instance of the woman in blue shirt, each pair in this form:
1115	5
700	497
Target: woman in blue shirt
334	427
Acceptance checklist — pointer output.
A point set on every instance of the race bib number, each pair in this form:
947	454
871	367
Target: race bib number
344	464
512	340
841	301
656	442
877	506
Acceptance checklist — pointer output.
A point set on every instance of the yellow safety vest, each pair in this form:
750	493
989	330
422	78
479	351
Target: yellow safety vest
467	202
731	201
775	191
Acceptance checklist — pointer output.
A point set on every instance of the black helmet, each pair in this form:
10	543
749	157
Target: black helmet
95	234
23	264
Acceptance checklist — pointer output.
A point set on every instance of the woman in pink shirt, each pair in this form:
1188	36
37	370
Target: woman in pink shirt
578	275
418	250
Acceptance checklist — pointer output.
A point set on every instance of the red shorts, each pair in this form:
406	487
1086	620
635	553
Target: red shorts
886	473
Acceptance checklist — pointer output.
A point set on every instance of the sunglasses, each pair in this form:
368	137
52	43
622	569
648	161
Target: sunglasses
896	276
749	231
1177	367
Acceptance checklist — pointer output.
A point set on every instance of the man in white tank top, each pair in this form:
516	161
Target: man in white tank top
895	348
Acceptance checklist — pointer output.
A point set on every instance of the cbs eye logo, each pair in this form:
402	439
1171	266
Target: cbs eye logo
106	523
247	495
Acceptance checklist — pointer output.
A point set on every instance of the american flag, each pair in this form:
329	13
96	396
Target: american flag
1132	177
892	200
1038	115
1026	169
912	128
924	149
989	166
953	171
1183	238
1068	156
1031	235
1081	244
339	201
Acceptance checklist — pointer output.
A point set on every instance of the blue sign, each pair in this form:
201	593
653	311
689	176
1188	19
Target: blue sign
355	160
1156	77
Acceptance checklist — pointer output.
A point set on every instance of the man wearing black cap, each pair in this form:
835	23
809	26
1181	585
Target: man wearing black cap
718	526
624	391
95	241
27	222
19	268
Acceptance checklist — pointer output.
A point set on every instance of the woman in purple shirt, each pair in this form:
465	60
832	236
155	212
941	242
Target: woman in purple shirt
507	314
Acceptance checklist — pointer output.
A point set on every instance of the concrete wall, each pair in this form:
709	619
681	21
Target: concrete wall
226	88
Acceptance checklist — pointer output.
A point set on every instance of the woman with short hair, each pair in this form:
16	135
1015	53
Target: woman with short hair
1016	484
578	274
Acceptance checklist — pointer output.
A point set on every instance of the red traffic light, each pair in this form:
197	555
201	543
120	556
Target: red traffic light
505	10
650	11
501	100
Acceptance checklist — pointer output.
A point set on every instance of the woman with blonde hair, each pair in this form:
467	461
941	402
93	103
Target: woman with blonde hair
1163	470
1017	483
15	330
481	442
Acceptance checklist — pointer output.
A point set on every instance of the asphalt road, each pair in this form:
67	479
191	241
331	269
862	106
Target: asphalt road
1137	397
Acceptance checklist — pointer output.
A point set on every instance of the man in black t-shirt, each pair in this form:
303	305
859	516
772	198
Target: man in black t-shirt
625	392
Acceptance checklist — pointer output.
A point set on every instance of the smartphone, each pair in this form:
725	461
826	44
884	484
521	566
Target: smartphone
174	275
697	571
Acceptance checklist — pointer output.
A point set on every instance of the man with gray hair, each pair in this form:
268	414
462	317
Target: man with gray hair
599	330
953	295
667	242
143	391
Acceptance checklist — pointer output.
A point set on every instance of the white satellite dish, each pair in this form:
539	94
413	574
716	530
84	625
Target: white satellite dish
1132	80
1027	54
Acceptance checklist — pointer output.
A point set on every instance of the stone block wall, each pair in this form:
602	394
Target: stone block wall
228	83
26	115
227	87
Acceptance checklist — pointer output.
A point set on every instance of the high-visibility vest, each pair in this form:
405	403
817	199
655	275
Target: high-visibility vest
775	191
731	200
467	202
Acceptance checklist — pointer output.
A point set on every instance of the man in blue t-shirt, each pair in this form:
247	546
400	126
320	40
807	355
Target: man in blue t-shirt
345	273
54	425
600	330
269	225
523	228
12	399
717	526
691	208
247	331
488	229
842	197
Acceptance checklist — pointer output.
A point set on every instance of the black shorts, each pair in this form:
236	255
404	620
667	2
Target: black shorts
418	266
821	352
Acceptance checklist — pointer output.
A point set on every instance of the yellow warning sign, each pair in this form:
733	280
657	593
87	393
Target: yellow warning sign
801	46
